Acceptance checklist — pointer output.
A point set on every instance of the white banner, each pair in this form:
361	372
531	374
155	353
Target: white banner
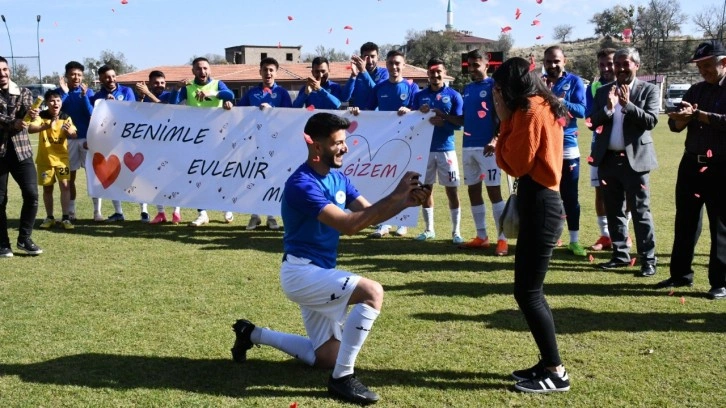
239	160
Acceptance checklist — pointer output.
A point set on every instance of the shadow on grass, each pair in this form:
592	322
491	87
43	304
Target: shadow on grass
223	377
454	289
576	321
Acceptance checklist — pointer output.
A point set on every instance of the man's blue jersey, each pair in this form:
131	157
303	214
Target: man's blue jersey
328	97
306	193
358	90
275	96
570	88
448	101
390	96
480	117
79	108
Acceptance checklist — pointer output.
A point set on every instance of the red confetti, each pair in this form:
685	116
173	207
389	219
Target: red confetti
709	153
347	28
419	158
588	122
311	108
572	167
577	133
266	90
539	1
482	114
316	159
703	169
290	18
632	261
293	404
590	159
355	142
42	39
697	195
598	130
569	115
483	1
517	14
448	161
603	182
438	97
113	11
467	134
347	41
643	186
539	37
671	293
308	139
331	30
124	1
592	259
482	176
506	29
561	121
279	44
484	105
348	67
535	22
683	300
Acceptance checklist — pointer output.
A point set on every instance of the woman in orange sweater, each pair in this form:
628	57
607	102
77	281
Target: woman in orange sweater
530	148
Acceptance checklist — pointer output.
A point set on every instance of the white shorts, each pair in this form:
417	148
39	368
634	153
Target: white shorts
322	295
478	168
445	165
76	154
594	179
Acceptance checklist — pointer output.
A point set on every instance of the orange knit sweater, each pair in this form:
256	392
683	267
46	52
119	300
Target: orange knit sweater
531	143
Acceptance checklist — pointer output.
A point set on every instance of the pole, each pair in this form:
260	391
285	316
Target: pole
12	54
720	28
37	40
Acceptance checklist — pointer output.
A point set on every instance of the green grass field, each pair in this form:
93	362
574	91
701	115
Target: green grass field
138	315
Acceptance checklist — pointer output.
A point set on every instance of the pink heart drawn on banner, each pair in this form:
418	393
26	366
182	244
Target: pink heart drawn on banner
133	161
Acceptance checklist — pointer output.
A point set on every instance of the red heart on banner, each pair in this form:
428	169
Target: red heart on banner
106	170
133	161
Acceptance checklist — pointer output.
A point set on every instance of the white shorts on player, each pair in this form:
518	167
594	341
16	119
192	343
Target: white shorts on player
322	295
478	167
594	179
445	167
76	154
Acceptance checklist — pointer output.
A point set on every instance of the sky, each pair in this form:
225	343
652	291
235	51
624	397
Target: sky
166	32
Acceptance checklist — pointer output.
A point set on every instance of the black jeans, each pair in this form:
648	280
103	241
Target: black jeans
541	221
698	185
24	173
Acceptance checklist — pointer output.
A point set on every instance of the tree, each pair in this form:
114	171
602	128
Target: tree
424	45
562	31
330	53
655	24
504	43
20	75
612	22
212	58
710	22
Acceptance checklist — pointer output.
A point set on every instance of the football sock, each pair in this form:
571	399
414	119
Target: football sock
355	331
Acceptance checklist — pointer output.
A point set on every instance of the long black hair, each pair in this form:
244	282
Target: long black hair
517	84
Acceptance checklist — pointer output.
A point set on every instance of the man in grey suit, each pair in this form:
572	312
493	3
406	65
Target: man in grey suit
627	110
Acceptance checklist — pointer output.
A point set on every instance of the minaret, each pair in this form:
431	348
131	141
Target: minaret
449	18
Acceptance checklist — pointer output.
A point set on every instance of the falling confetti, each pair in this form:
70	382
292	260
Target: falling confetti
539	1
419	158
308	139
347	41
279	44
124	1
517	14
290	18
704	168
467	134
562	121
683	300
697	195
113	10
316	159
590	159
592	259
355	142
331	30
709	153
671	293
603	182
535	22
266	90
42	39
482	176
598	130
311	108
588	122
539	37
347	28
482	114
293	404
632	261
484	105
506	29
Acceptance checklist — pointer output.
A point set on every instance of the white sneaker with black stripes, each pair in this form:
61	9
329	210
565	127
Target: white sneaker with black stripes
545	382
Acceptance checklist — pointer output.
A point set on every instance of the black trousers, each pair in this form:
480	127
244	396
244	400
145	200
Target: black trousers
23	171
619	182
541	221
698	184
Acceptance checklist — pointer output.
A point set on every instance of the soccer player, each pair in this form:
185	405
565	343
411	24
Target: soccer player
443	163
571	91
479	161
111	90
54	128
395	94
204	91
158	94
364	75
76	100
319	91
314	204
268	94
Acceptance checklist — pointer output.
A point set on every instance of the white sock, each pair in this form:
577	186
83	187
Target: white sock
96	205
602	222
177	210
478	212
428	216
455	221
203	213
574	236
355	331
296	346
160	208
144	207
497	210
117	206
72	206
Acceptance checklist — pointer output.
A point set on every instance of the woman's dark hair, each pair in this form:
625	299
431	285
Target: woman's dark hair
517	84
